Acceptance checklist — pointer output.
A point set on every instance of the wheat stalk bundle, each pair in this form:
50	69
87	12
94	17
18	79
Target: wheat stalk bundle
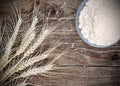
22	60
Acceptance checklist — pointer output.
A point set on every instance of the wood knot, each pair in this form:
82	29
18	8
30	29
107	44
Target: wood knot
115	57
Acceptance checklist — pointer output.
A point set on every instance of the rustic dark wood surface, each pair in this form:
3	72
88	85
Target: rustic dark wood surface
82	65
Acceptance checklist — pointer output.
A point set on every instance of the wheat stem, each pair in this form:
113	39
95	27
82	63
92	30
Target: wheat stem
56	58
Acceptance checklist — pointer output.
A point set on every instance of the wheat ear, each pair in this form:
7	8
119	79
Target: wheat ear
10	43
0	32
34	71
41	69
27	39
22	84
35	59
37	43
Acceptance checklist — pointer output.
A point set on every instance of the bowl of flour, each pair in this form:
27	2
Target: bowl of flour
98	22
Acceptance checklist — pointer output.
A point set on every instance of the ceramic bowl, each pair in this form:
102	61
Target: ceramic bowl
81	6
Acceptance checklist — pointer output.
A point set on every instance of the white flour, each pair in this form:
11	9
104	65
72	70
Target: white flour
100	21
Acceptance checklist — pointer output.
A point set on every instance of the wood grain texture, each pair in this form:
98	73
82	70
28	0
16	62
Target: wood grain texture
82	65
80	76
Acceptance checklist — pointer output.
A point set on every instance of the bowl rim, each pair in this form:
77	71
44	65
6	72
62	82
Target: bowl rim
80	8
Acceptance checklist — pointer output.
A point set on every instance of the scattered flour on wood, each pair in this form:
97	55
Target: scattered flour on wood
100	21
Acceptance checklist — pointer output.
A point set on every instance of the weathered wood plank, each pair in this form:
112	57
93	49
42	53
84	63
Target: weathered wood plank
81	76
82	65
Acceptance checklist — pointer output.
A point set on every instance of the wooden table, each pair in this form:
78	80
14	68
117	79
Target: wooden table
82	65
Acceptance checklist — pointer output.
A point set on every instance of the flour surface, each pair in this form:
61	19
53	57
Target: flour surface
100	21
